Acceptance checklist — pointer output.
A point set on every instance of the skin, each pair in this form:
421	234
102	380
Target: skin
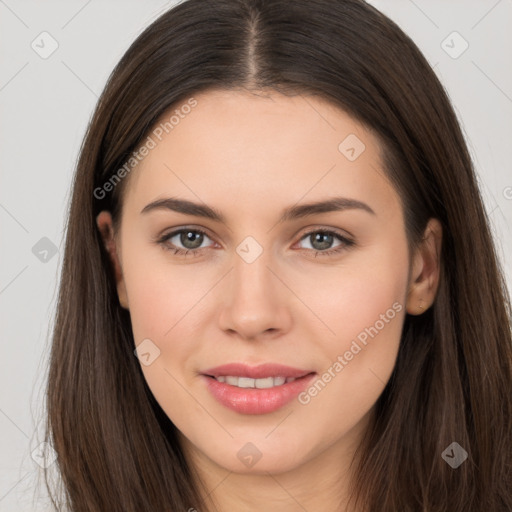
250	156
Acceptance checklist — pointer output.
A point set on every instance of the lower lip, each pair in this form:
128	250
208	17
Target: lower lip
253	400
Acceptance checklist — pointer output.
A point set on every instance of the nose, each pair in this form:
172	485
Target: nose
255	299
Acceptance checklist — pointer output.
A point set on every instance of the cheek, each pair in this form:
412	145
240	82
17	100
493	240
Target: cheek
356	303
168	305
360	294
163	298
363	306
366	322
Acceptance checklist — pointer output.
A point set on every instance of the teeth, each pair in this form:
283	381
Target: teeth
264	383
246	382
233	381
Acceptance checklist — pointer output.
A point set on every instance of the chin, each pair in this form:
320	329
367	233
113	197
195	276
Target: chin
258	458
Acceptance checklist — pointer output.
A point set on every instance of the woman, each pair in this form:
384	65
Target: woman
203	357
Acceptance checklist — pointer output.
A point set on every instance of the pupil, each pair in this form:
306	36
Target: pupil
325	244
192	238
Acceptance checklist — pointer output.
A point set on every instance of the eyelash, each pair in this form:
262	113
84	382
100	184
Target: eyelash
346	242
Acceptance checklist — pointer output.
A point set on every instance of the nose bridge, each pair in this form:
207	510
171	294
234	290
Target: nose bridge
254	301
251	272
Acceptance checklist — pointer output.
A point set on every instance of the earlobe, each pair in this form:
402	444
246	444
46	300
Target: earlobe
426	266
105	226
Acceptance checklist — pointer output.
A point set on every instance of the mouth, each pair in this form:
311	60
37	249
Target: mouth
255	390
262	371
247	382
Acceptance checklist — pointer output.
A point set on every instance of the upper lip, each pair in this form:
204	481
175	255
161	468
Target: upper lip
261	371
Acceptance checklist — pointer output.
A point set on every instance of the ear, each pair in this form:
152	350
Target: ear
426	264
104	223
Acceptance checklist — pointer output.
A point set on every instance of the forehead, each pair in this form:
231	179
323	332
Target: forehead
259	147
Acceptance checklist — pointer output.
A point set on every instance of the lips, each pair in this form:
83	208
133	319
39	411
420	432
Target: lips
256	372
255	390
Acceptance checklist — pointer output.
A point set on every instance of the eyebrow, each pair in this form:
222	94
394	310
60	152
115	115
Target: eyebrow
186	207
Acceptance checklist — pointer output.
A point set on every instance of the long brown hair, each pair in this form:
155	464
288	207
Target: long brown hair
117	450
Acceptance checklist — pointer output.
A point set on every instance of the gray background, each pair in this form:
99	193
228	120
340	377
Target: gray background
46	104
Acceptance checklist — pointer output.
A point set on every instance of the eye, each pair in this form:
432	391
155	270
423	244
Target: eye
321	241
190	239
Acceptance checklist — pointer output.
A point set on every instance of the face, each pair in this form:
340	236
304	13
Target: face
276	290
